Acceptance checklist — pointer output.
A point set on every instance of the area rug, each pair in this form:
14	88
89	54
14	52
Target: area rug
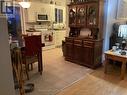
57	75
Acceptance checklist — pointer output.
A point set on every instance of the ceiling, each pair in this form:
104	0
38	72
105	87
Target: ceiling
58	2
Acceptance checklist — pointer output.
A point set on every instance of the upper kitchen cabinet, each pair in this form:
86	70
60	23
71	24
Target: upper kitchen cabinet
31	12
40	8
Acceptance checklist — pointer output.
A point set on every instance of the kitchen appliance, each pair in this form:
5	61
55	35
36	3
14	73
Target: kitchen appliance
42	17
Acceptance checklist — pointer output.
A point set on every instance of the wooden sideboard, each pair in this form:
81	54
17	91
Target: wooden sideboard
83	51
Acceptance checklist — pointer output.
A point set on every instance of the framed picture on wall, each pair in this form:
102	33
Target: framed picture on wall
122	9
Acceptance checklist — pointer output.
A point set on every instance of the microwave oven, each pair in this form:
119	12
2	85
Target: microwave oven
42	17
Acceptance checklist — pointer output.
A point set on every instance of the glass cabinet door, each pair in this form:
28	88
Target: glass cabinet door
81	15
92	15
72	16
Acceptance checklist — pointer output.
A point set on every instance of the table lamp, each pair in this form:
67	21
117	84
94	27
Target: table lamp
123	45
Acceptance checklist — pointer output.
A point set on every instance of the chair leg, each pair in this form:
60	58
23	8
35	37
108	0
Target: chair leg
40	65
31	66
26	67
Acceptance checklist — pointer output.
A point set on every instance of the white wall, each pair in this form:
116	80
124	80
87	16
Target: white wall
58	2
6	78
110	13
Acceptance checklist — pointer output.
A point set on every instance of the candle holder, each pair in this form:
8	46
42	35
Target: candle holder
123	45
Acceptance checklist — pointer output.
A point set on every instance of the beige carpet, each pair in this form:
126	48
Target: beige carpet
57	75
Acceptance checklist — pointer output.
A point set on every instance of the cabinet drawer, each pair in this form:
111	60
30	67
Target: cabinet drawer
78	42
87	43
69	39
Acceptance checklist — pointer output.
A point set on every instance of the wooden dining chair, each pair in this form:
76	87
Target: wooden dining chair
16	58
32	52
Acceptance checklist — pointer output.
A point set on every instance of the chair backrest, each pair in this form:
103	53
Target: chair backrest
32	45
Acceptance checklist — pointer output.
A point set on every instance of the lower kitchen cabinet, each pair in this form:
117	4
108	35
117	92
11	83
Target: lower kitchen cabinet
59	36
86	52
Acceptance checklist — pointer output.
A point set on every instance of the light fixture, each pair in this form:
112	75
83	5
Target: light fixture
52	2
25	3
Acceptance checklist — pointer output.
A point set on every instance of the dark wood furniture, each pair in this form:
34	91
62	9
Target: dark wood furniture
32	52
78	50
69	46
92	52
83	51
16	58
116	56
86	51
85	14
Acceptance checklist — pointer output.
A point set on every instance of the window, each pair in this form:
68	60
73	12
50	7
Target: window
58	15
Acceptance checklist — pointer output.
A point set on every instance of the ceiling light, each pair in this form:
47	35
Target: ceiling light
52	2
25	4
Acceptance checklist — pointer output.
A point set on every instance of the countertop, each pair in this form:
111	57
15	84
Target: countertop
47	30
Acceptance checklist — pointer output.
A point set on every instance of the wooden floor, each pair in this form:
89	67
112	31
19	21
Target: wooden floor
98	83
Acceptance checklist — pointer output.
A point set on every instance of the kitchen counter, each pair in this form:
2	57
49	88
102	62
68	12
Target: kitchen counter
59	29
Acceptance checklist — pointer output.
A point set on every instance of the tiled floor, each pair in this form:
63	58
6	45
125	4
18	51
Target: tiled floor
57	75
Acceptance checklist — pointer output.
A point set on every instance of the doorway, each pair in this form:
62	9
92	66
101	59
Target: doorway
14	24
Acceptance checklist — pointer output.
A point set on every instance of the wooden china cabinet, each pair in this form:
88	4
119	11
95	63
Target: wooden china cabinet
85	51
85	14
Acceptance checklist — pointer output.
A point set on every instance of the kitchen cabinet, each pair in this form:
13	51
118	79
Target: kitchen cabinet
59	36
32	11
40	8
